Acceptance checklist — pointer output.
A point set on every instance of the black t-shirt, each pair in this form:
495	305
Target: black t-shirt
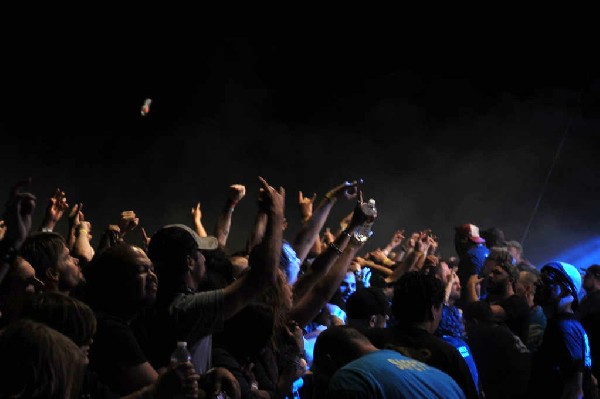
503	361
427	348
517	315
565	351
115	348
93	388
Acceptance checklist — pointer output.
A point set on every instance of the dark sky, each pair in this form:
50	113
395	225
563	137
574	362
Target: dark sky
444	131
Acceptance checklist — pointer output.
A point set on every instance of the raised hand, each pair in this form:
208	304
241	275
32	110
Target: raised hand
236	193
76	215
57	205
127	222
145	239
305	204
348	190
379	256
18	215
358	216
272	200
2	229
328	236
422	243
197	214
397	239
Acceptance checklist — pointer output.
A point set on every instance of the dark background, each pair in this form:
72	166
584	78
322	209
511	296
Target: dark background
444	130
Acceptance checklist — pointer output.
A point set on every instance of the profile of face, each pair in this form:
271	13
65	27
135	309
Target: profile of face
437	317
588	282
443	272
69	271
18	284
348	286
23	279
198	261
548	292
497	280
515	253
146	282
455	290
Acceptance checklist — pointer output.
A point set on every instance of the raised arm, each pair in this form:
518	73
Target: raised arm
17	219
310	304
55	210
258	229
265	257
235	194
305	238
197	219
82	248
75	217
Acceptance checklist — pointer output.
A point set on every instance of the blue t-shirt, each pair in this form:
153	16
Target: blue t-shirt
388	374
464	350
565	350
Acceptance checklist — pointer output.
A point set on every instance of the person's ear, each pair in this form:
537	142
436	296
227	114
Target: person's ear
191	263
52	274
373	321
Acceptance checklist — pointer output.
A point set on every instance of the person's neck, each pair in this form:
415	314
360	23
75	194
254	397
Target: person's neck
426	326
592	290
504	294
564	305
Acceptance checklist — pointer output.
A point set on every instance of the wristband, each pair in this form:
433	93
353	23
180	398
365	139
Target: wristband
335	248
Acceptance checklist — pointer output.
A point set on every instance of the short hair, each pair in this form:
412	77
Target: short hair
337	346
504	259
42	250
39	362
63	313
515	244
414	296
110	279
366	302
528	278
168	249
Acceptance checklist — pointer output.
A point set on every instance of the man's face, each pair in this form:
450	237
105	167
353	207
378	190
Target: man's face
497	280
200	266
548	292
455	290
348	286
589	282
146	282
444	272
23	279
515	253
18	284
70	275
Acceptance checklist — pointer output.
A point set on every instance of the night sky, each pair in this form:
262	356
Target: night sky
444	130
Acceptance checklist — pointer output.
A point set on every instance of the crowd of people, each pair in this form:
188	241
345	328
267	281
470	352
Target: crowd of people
313	317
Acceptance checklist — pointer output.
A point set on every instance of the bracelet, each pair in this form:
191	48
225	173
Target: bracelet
335	248
80	231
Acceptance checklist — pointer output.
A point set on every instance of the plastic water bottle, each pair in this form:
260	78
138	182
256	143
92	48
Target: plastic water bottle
362	233
181	354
